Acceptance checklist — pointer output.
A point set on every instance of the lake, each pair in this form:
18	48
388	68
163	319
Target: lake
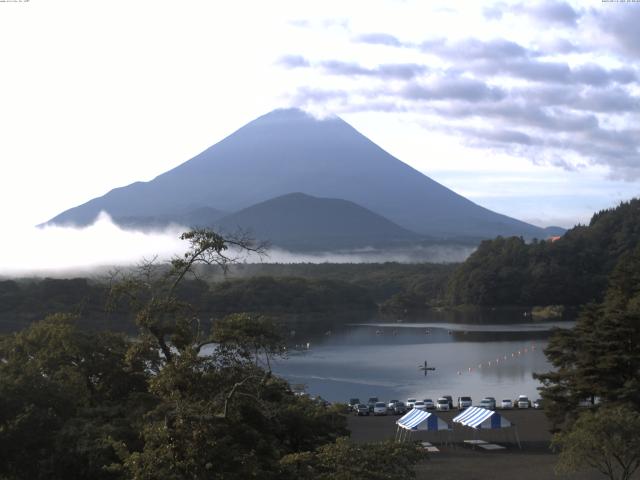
383	360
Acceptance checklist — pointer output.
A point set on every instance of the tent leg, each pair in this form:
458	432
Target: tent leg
518	438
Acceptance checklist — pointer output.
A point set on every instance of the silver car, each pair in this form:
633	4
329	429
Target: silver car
380	408
419	405
488	403
442	404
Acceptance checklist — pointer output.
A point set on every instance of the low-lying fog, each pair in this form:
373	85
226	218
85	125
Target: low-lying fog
64	251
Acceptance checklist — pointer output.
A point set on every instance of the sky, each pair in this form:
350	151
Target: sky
527	108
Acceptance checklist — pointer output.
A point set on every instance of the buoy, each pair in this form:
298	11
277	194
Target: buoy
459	372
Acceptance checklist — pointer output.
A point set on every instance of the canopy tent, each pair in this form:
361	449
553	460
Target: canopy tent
478	417
481	418
420	420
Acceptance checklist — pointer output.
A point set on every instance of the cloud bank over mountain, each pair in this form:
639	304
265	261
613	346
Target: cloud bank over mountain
58	251
566	95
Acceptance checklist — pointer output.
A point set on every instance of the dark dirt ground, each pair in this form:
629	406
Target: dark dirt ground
535	461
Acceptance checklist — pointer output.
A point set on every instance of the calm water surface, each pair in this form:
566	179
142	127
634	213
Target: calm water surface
383	360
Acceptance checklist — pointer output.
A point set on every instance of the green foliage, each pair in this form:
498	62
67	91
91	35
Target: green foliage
287	295
65	395
605	439
600	357
344	460
76	404
570	271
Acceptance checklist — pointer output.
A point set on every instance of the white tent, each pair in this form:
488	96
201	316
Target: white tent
420	420
482	418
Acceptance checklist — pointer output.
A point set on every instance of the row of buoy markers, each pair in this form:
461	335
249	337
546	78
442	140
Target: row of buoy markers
505	357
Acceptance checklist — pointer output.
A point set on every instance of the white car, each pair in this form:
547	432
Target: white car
420	405
464	402
410	402
380	408
429	404
523	402
442	404
506	404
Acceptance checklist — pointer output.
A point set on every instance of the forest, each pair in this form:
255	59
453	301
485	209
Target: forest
78	404
300	290
572	270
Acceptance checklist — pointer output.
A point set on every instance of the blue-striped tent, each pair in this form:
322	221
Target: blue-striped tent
421	420
478	417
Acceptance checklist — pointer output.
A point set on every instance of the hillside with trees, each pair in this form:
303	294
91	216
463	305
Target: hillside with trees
179	400
572	270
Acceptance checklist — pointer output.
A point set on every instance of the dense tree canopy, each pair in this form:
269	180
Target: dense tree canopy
600	357
605	439
179	401
570	271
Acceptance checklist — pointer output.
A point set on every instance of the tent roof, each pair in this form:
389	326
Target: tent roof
478	417
421	420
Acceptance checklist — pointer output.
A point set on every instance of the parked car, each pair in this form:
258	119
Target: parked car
429	404
380	408
361	409
399	408
353	403
506	404
419	405
372	403
450	400
391	404
537	403
464	402
523	402
488	403
410	402
442	404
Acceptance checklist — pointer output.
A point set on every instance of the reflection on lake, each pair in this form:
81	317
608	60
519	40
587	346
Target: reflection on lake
383	360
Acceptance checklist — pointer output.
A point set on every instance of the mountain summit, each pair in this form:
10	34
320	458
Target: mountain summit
289	151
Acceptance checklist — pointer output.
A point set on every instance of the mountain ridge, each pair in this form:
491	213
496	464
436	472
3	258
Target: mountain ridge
287	151
299	221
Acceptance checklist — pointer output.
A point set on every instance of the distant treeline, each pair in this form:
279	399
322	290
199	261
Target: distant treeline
572	270
277	290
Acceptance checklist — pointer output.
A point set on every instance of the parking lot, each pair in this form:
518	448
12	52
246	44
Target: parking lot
535	461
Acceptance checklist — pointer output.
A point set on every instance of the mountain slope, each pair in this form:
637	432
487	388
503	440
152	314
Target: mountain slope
302	222
289	151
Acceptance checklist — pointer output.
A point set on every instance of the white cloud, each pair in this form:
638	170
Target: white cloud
49	250
99	95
